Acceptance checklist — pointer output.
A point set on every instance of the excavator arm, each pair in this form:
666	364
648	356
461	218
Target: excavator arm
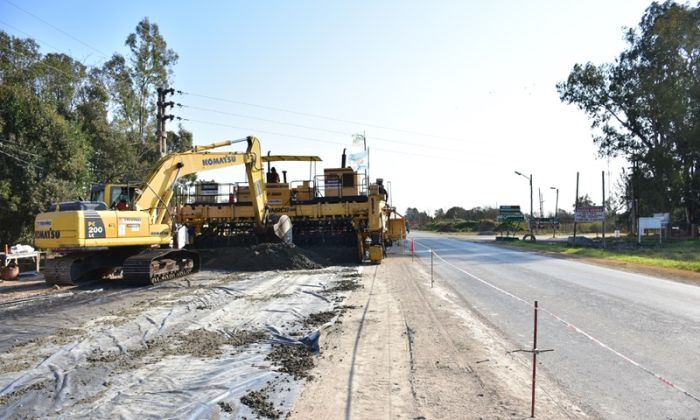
157	191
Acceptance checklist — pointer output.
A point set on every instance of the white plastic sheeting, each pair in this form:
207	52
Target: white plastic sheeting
112	369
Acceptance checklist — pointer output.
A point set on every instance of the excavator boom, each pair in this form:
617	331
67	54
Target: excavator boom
157	191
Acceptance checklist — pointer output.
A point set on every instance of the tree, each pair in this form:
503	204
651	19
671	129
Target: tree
584	201
646	106
415	217
43	151
64	125
132	82
114	155
456	213
179	141
482	213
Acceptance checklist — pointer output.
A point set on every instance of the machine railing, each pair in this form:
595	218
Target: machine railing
215	193
336	186
300	190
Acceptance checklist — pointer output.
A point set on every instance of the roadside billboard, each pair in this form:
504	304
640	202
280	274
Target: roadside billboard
510	213
590	214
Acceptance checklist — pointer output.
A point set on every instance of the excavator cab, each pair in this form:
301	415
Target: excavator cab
112	194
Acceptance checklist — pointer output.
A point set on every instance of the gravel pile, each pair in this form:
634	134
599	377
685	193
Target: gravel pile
262	257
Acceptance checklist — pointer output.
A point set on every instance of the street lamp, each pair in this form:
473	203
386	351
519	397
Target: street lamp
531	214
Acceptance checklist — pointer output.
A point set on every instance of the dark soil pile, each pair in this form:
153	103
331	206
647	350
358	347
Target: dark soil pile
294	360
245	337
59	337
262	257
198	343
225	407
261	406
19	393
335	255
343	285
318	318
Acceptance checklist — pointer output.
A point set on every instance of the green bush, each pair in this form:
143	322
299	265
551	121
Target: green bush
461	225
486	225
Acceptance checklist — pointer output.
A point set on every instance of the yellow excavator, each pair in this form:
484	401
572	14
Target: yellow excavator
137	241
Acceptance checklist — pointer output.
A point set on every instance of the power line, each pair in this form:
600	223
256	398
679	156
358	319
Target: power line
261	106
253	130
344	133
28	35
42	56
64	73
324	117
264	119
57	28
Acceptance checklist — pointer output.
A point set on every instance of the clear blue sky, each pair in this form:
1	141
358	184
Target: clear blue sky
479	77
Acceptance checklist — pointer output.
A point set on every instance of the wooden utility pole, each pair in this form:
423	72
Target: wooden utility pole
604	208
575	208
161	118
633	210
532	215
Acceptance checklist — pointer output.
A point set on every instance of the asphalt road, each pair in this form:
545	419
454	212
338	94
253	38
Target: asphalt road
652	322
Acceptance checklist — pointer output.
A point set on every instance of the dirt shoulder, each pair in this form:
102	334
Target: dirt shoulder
407	350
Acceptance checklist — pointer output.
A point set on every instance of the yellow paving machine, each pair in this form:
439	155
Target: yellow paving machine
336	209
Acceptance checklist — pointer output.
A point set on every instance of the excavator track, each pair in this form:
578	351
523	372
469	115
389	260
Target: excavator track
154	266
79	267
58	271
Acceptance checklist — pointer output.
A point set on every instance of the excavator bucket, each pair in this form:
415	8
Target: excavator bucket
283	229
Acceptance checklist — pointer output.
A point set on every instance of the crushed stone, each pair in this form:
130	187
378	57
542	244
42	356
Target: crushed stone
262	257
38	386
245	337
277	256
296	360
260	404
225	407
319	318
60	337
198	343
343	285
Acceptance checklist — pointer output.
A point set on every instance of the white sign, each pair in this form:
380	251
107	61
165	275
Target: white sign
659	221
